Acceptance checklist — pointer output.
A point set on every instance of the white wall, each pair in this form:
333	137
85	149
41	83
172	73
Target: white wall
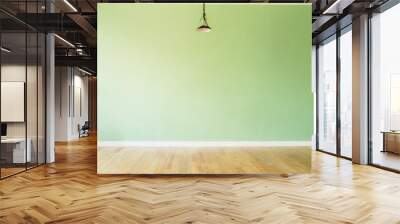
80	109
62	82
71	94
12	73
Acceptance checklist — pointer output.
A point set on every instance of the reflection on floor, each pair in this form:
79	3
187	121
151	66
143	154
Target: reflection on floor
70	191
11	169
387	159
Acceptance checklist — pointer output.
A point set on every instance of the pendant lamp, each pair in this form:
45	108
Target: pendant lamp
204	27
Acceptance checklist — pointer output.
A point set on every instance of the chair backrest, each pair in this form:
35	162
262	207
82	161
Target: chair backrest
86	124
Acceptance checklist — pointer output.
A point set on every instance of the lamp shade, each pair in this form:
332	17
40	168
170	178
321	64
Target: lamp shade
204	28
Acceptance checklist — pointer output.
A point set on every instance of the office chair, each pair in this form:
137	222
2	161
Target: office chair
84	130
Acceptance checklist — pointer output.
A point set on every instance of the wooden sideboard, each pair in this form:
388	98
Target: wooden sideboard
391	142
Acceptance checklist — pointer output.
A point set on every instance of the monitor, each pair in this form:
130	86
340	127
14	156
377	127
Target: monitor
3	129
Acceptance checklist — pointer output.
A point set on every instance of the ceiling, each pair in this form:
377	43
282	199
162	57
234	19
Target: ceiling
76	21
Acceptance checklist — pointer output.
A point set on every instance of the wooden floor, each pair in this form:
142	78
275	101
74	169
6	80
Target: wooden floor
387	159
70	191
10	171
203	160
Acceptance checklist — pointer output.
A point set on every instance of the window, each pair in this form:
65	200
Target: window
385	89
327	95
346	93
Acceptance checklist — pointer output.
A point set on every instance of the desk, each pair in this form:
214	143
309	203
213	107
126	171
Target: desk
15	148
391	141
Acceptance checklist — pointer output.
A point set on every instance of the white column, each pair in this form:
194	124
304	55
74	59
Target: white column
50	100
360	90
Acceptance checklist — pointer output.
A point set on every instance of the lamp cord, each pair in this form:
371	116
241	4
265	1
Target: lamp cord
204	13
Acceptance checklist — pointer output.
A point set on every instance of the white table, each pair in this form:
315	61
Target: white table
19	155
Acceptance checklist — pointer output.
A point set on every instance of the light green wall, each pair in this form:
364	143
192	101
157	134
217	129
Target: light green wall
247	80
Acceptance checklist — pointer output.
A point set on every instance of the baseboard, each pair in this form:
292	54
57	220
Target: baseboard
204	143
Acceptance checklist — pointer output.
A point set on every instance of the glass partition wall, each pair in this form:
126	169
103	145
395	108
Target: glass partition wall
334	91
13	123
385	89
22	98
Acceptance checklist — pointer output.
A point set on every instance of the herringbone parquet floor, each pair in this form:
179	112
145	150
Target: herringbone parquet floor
69	191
